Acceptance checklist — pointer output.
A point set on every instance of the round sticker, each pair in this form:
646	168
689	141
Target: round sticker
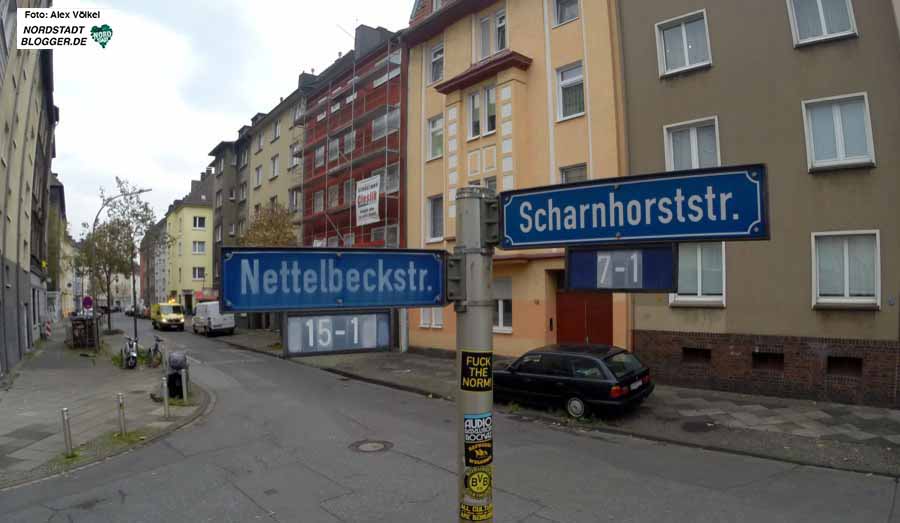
478	482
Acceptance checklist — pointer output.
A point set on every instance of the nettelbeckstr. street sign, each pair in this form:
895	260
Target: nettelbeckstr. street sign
262	280
726	203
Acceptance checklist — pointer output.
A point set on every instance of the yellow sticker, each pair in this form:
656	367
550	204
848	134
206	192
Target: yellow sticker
478	481
476	512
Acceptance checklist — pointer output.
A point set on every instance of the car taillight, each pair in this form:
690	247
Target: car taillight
618	392
646	379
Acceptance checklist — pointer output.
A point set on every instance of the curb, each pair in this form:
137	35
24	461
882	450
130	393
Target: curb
251	349
209	401
376	381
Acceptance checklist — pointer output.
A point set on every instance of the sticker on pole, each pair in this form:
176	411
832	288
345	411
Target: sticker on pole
478	482
476	512
479	444
475	371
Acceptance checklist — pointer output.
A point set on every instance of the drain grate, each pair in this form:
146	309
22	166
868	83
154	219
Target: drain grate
371	446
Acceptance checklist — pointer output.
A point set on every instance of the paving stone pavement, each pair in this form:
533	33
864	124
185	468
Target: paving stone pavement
55	377
800	417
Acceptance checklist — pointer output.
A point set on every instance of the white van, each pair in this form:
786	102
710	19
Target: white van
207	319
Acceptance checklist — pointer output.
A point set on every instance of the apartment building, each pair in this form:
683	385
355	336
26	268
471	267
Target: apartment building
226	209
28	118
809	89
353	148
513	94
189	224
153	265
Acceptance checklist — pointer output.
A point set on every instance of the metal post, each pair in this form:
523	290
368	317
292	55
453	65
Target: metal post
67	432
120	399
404	330
165	396
185	387
474	344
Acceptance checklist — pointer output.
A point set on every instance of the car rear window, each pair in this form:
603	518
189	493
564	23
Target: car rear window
623	364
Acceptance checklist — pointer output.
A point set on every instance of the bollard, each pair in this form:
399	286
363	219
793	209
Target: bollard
165	355
165	397
120	398
67	432
185	386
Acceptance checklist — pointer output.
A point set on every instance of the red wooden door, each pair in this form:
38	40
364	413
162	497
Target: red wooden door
584	317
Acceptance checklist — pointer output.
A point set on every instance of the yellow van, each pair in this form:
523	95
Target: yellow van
167	316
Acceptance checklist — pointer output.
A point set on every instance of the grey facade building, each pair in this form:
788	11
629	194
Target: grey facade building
226	209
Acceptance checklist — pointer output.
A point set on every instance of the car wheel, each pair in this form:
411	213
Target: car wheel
575	407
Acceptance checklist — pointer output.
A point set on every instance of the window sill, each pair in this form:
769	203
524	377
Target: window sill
273	140
825	38
434	240
685	70
697	303
567	22
429	160
489	133
255	187
571	117
503	330
431	327
842	166
847	305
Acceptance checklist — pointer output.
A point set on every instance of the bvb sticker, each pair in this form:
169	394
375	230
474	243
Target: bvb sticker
476	512
478	482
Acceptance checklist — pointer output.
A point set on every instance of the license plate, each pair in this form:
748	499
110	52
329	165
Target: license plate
636	385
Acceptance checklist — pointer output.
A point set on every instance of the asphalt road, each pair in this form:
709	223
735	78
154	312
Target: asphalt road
276	447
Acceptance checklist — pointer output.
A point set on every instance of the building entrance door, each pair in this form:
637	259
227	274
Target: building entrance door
584	317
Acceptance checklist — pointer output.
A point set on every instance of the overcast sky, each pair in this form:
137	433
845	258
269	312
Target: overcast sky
178	77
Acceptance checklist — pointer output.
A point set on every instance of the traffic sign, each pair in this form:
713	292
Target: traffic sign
726	203
623	269
294	279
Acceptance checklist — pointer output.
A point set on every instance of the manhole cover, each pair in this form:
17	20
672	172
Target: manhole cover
371	446
698	426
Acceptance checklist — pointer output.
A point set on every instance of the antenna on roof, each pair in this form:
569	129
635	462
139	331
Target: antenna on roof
344	30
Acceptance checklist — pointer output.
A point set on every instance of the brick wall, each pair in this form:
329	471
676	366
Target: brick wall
842	370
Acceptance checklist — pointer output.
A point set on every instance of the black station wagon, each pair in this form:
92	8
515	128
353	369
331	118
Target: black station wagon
577	376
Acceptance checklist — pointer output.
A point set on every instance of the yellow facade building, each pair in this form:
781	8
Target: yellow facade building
513	94
189	224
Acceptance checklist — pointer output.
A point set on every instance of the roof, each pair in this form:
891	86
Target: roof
580	349
221	145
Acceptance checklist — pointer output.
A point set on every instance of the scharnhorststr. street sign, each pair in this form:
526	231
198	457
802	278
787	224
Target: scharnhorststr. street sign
294	279
726	203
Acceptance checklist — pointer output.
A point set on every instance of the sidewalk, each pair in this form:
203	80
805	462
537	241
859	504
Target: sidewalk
847	437
256	340
31	440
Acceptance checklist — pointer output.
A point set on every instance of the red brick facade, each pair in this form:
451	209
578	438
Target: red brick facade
842	370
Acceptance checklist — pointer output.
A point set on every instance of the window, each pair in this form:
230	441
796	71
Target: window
348	192
335	107
491	183
231	230
321	116
818	20
484	38
200	222
571	91
319	201
273	202
436	218
218	198
431	318
333	241
199	247
320	156
259	138
381	80
436	4
566	10
274	163
242	226
587	368
392	179
334	149
437	63
490	100
294	200
683	43
500	30
256	209
386	124
392	238
219	169
474	115
298	113
575	173
435	137
199	273
349	141
503	313
244	191
244	157
295	154
218	233
692	145
490	35
257	181
334	193
276	130
838	132
232	194
349	239
846	268
701	274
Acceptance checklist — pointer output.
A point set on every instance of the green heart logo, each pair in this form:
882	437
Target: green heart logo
101	34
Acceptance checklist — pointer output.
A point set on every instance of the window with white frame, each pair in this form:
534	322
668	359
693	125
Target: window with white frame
334	195
333	241
392	236
232	194
474	115
683	43
274	167
692	145
199	273
391	74
244	191
319	201
573	173
200	222
386	124
298	113
349	239
218	233
376	234
335	107
500	31
490	35
503	311
818	20
294	200
295	154
392	179
571	91
436	137
242	226
257	181
348	191
838	132
435	218
232	230
431	318
259	139
846	268
491	183
334	149
437	63
320	156
244	157
566	10
218	198
276	130
436	4
490	110
701	273
349	141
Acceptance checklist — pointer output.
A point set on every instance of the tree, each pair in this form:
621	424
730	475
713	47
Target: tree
271	227
105	252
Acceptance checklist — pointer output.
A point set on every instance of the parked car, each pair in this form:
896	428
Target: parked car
579	377
208	320
167	316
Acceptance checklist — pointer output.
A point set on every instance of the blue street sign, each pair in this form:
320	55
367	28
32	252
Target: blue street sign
294	279
726	203
635	269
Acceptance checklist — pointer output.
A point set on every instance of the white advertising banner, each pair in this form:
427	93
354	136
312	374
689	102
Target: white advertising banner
367	200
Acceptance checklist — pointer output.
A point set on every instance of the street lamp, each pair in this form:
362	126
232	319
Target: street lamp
106	202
